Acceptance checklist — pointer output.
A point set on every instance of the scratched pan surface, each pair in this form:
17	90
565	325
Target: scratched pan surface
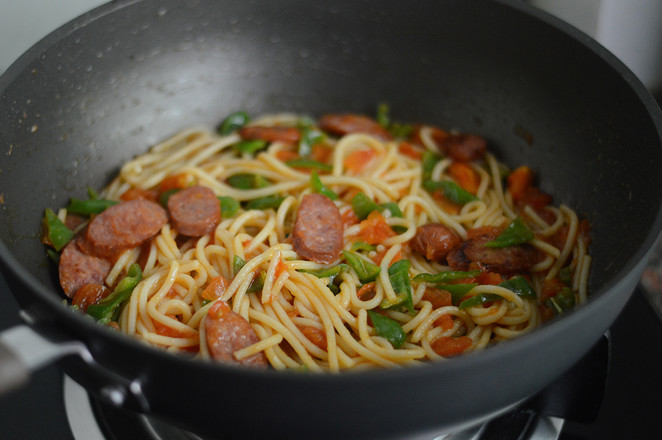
106	86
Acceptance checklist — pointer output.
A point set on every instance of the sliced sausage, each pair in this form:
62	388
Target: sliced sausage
123	226
506	260
77	269
434	241
194	211
228	332
340	125
89	294
462	147
318	229
289	135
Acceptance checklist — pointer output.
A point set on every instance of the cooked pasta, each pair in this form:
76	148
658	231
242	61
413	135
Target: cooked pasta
368	304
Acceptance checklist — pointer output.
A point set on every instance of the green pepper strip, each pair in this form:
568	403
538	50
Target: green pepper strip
384	115
90	206
250	146
233	122
398	274
309	137
444	277
363	205
365	270
248	181
457	291
319	188
565	275
229	206
362	246
388	329
520	286
451	190
307	163
165	195
479	299
268	202
428	162
396	129
58	234
257	283
562	301
517	232
105	310
393	208
330	272
237	264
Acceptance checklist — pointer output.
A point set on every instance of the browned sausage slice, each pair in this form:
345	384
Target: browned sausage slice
318	229
123	226
228	332
194	211
462	147
288	135
434	241
506	260
340	125
78	269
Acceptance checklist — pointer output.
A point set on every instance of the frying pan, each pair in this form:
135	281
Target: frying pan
106	86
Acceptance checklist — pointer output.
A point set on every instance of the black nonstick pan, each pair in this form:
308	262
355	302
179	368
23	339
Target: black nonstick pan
106	86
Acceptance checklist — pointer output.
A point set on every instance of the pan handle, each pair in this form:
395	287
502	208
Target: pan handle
24	349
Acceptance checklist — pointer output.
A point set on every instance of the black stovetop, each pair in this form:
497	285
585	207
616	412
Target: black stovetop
630	410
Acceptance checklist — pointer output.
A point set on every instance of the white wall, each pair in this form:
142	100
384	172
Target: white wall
24	22
630	29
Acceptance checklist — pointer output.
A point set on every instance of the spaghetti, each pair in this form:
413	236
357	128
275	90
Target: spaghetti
381	300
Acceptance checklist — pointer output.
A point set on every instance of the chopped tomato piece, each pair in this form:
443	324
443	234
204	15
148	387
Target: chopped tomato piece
315	335
89	294
280	268
176	181
535	198
367	291
407	149
321	153
465	176
358	160
138	193
519	180
285	155
349	218
215	289
445	322
379	256
546	312
585	231
437	297
559	238
446	205
374	229
164	330
551	288
447	346
491	278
